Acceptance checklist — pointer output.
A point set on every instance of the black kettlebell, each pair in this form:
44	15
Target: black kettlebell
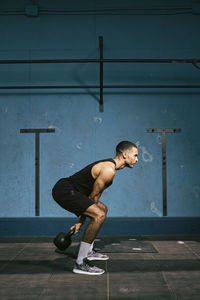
63	240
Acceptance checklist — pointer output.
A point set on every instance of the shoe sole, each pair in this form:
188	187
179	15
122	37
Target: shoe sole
97	258
86	273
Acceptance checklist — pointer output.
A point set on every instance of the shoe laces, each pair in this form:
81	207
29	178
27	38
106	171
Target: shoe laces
87	263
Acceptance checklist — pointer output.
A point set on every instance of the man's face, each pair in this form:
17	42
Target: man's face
131	157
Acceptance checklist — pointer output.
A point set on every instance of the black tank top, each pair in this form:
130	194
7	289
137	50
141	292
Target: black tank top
83	180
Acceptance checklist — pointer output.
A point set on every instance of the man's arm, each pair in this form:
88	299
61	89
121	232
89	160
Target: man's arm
105	176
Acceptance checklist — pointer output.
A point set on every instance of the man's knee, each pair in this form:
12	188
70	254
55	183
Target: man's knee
103	207
100	216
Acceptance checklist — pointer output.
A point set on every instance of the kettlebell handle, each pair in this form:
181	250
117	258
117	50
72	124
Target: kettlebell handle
71	232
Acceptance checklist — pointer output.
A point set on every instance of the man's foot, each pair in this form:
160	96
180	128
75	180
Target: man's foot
87	269
93	255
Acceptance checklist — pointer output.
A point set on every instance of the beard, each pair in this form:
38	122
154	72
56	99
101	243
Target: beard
127	166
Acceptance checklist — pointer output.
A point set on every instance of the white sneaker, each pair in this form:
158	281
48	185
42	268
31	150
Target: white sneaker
93	255
87	269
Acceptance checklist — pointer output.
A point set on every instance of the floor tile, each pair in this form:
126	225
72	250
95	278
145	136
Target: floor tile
136	285
185	284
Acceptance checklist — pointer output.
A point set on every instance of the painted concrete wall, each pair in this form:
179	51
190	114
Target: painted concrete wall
83	134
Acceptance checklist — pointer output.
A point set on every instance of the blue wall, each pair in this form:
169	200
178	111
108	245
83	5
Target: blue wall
82	133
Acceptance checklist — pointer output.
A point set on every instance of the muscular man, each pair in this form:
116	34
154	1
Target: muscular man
80	194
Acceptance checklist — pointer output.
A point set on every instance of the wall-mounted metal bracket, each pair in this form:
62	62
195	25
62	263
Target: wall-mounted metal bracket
164	161
101	73
37	163
195	64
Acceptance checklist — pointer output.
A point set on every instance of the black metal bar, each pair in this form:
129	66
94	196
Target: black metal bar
98	87
105	60
37	174
164	173
164	130
50	87
101	73
37	130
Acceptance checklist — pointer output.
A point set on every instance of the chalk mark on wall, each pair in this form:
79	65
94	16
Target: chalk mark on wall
146	156
155	210
51	126
98	120
159	139
71	165
79	146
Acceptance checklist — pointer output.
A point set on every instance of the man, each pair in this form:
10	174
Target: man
80	194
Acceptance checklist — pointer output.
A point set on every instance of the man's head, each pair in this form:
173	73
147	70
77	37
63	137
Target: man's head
127	151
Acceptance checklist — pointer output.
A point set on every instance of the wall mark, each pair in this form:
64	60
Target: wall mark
98	120
79	146
146	156
155	210
71	165
159	139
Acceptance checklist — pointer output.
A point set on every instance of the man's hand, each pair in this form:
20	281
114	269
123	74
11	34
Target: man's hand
77	227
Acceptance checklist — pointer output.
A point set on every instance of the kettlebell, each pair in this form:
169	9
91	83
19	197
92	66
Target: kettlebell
63	240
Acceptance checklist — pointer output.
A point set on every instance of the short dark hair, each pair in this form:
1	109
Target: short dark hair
123	146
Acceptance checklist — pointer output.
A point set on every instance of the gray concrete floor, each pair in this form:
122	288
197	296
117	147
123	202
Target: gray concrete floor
168	269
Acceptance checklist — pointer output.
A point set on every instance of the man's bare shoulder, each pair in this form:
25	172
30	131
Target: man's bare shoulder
106	168
107	172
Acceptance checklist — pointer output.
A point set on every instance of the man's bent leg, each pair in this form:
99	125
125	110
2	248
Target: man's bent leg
97	218
105	209
92	254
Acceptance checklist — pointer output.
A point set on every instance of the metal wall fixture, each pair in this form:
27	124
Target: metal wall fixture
34	10
101	62
164	131
37	163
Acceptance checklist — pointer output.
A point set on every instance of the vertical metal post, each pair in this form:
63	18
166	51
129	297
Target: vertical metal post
101	73
164	173
37	173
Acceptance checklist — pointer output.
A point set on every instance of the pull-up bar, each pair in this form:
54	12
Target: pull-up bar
101	61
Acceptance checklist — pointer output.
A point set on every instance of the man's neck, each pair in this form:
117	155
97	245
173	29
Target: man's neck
120	164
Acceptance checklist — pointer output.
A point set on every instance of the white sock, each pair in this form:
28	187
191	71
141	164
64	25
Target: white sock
91	247
83	252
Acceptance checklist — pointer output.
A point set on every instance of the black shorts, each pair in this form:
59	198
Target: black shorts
70	198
